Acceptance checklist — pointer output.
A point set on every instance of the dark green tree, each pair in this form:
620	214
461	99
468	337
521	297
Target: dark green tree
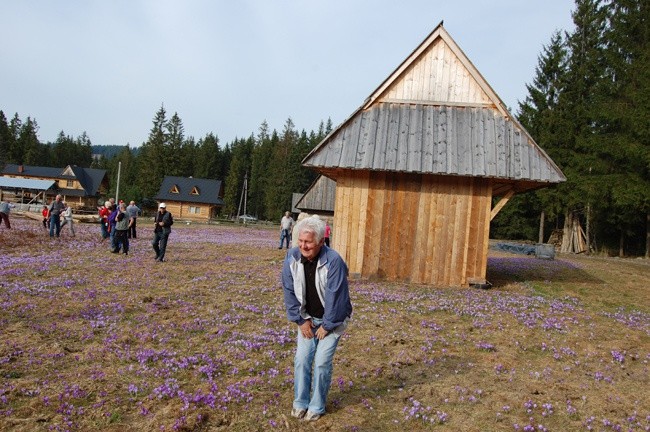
153	156
34	153
259	178
173	156
6	140
539	115
208	154
622	141
16	150
240	167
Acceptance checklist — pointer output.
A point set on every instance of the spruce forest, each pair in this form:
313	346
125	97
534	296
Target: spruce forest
588	107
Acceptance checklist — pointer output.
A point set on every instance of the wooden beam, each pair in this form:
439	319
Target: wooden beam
439	103
503	201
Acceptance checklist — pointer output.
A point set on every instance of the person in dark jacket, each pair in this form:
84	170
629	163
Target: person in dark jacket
54	215
317	300
162	229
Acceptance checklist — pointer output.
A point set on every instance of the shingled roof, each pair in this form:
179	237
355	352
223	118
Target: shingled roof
191	190
436	114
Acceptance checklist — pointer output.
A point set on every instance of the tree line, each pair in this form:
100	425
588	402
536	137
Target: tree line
588	107
269	161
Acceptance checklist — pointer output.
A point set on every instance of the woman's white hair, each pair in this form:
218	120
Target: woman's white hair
312	224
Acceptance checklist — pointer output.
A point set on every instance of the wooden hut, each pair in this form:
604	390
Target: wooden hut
190	198
417	166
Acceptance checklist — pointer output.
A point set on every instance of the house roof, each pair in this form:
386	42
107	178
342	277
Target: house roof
25	183
89	178
191	190
436	114
320	196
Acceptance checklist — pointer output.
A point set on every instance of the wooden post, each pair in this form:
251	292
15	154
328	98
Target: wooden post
541	228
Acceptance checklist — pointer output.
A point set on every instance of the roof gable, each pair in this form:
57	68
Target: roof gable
437	72
436	114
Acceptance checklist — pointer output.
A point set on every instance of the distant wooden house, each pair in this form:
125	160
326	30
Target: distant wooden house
191	198
80	187
319	197
417	166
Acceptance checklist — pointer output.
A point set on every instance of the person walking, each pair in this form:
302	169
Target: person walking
285	229
54	215
317	300
162	228
133	212
122	224
5	208
67	218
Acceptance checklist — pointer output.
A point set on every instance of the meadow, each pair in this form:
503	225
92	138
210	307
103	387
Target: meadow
94	341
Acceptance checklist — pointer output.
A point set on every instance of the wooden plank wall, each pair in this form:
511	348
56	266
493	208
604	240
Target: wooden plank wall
438	75
414	228
181	210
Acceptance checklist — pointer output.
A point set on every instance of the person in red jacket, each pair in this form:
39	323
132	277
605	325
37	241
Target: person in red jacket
46	221
104	212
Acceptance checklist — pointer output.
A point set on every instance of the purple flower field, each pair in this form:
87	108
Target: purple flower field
98	341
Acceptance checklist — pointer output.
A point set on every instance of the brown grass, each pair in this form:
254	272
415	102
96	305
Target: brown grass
97	341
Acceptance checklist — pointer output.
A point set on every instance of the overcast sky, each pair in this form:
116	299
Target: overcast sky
106	66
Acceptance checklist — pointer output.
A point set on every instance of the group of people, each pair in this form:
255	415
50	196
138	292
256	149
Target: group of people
53	214
119	222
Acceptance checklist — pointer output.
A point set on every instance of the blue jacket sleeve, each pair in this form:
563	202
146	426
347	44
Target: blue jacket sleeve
337	295
291	302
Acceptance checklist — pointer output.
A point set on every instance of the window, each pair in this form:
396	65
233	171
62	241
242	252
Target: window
174	190
69	183
195	191
195	210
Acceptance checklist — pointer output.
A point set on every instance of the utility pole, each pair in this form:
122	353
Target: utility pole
244	197
117	190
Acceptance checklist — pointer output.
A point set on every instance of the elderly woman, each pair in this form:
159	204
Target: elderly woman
317	300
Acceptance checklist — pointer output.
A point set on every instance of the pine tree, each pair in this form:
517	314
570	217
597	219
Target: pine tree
6	139
34	153
16	150
208	153
240	166
623	143
153	157
259	177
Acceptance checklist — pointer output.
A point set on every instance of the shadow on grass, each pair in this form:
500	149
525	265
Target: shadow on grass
504	270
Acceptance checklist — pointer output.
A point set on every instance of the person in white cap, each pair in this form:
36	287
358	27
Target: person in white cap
162	229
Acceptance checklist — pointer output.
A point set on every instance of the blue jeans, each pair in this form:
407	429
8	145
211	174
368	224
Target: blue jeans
104	229
55	222
319	355
285	234
112	236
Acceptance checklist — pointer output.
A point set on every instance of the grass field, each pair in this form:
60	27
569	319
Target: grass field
96	341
